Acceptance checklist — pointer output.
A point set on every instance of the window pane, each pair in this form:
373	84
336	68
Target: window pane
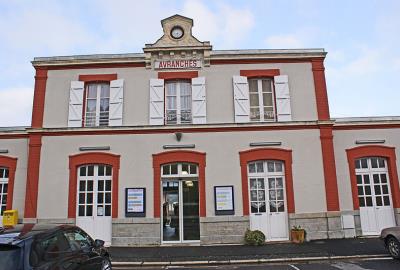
254	114
108	170
269	113
254	207
374	163
5	188
366	179
174	169
166	169
254	102
267	99
386	200
171	117
383	178
279	182
278	166
377	189
266	85
82	171
279	194
385	189
360	190
361	201
89	198
108	210
89	210
253	86
367	190
359	179
104	105
171	88
253	183
90	170
272	207
358	164
5	173
107	197
81	211
100	185
378	201
90	185
368	201
272	195
81	198
262	208
101	170
82	186
376	178
91	106
108	185
171	103
100	197
92	91
253	195
252	167
364	163
270	165
105	90
260	167
381	162
193	169
260	183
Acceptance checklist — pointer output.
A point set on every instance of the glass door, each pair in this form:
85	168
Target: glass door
180	206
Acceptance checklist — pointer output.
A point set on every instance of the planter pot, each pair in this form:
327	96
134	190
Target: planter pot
297	236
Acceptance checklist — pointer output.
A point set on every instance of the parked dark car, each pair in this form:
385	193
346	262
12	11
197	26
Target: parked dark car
51	247
391	236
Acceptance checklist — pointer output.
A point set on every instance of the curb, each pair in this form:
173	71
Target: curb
250	261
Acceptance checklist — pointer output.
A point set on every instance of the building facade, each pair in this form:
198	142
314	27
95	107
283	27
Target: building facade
185	144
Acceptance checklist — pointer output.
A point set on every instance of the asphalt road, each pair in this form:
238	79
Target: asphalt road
368	264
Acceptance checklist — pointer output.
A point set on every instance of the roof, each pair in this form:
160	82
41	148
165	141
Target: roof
216	54
20	232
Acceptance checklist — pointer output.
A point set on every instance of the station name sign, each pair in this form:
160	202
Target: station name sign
177	64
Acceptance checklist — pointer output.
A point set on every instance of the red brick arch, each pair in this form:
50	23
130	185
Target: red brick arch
179	156
374	151
11	164
92	158
265	154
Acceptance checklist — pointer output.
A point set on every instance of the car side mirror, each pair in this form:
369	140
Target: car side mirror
98	243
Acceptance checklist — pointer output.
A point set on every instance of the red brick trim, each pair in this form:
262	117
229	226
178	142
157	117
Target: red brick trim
374	151
13	136
98	77
32	178
366	126
264	154
252	73
92	158
94	66
329	165
258	61
11	164
178	156
38	98
321	95
178	75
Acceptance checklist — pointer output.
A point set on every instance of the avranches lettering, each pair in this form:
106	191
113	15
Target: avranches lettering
177	64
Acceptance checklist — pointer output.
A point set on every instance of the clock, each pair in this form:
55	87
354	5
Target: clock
177	32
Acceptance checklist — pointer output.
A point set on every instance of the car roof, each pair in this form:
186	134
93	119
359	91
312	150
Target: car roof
20	232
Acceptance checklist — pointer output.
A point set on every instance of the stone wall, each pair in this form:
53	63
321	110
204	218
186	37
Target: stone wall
136	232
223	229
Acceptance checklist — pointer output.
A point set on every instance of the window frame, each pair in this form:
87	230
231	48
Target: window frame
98	103
178	96
261	105
4	180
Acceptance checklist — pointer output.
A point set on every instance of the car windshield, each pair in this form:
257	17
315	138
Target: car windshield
10	257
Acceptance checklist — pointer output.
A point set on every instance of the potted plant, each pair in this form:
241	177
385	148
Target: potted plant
297	234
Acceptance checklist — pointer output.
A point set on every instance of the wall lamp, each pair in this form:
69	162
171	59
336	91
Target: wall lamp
3	151
94	148
369	141
265	144
178	146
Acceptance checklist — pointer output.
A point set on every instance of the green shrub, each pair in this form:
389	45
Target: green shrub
254	238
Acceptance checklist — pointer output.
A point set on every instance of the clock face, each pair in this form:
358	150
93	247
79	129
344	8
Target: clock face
177	32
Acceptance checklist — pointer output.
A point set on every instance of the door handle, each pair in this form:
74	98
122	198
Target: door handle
258	214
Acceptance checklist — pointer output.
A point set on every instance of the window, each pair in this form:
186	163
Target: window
3	189
97	104
48	249
178	102
262	105
78	240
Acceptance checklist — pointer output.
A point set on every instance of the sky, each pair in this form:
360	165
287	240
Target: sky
361	37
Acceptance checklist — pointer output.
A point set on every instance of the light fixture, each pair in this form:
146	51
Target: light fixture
3	151
178	136
94	148
369	141
189	183
178	146
265	144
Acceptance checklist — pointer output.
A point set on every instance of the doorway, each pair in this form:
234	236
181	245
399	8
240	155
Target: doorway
180	203
374	195
94	201
268	199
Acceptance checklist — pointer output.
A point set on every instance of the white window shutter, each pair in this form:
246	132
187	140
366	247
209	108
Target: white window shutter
241	99
116	102
75	104
283	110
199	110
156	102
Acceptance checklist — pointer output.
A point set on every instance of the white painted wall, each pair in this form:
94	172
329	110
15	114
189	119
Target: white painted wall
18	148
219	91
345	139
223	166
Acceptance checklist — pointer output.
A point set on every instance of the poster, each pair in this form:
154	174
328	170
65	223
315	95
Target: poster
224	199
135	202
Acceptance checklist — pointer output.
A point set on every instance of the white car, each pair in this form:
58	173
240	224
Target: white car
391	237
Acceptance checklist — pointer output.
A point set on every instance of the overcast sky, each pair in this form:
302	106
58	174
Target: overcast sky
361	37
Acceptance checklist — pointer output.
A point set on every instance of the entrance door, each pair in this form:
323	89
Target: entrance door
267	199
374	196
180	204
3	192
94	201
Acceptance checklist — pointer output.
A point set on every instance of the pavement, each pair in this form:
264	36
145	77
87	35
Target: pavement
317	250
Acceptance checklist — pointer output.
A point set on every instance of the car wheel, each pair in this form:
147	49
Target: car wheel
106	265
394	247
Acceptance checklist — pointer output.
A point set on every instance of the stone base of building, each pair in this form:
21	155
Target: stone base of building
228	229
223	230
